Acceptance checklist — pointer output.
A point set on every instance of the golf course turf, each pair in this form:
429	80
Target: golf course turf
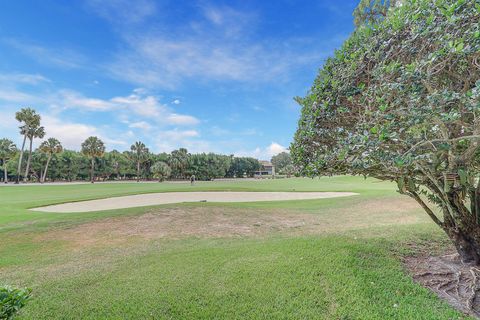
337	258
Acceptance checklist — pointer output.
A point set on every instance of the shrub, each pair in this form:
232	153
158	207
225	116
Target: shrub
12	300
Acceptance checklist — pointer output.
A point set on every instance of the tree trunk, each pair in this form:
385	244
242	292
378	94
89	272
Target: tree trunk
20	160
44	176
467	247
138	171
92	168
27	169
459	222
5	174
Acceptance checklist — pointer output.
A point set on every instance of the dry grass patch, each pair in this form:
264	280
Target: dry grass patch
224	222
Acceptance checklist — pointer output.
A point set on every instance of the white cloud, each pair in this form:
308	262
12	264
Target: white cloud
182	119
177	135
176	101
140	125
138	104
71	99
263	153
275	148
169	140
73	134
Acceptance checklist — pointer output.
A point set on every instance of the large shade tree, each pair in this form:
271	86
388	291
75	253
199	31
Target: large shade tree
400	101
7	152
28	119
281	161
49	147
93	148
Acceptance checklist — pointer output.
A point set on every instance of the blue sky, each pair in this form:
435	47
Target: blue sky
214	76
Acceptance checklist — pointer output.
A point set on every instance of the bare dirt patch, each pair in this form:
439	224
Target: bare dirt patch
221	222
451	279
177	223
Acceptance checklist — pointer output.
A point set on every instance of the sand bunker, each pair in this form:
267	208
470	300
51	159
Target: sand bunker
153	199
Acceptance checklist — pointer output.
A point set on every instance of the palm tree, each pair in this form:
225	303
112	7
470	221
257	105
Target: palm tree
139	154
93	147
179	160
35	131
28	118
161	171
50	147
7	151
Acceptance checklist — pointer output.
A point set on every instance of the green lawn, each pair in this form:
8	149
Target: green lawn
315	259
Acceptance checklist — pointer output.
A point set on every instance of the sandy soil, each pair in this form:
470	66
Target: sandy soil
152	199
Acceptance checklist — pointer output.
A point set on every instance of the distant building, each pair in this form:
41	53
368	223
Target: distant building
268	169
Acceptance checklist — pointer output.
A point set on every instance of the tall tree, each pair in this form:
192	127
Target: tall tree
239	167
161	171
281	160
139	153
35	131
179	161
401	101
93	148
7	151
69	164
28	119
50	147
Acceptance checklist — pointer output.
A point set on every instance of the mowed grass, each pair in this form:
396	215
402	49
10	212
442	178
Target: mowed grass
331	259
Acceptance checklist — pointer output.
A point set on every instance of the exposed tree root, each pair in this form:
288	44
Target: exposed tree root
451	279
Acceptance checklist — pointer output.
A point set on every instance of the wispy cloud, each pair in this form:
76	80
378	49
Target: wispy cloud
123	11
218	48
59	57
25	78
154	60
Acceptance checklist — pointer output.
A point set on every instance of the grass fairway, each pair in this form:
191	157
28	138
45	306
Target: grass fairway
334	258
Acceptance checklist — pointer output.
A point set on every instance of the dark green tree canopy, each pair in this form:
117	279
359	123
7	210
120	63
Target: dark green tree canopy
370	11
281	161
401	101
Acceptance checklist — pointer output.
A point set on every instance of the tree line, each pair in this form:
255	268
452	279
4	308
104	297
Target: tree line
51	162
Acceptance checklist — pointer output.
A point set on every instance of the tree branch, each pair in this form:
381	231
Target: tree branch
425	207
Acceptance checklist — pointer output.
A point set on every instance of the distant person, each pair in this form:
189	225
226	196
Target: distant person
192	180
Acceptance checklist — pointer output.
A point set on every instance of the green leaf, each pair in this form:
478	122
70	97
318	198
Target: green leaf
399	162
401	185
411	185
463	177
